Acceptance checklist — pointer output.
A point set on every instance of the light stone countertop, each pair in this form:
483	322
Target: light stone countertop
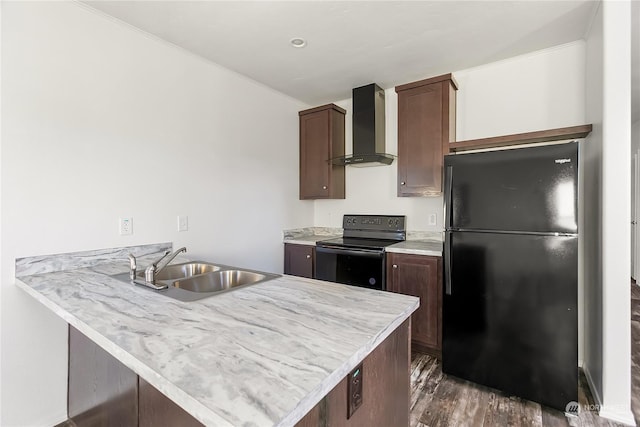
308	240
263	355
417	247
419	243
310	235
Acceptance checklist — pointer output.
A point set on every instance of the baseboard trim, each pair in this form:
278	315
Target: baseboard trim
614	414
592	387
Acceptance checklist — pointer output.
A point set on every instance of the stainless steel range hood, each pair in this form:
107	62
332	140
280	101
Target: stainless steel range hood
368	129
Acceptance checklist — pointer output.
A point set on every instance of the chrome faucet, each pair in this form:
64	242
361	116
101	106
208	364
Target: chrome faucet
156	267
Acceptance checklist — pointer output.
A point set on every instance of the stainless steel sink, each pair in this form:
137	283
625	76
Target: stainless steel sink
187	269
219	281
196	280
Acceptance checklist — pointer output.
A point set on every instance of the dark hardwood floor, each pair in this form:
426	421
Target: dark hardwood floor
440	400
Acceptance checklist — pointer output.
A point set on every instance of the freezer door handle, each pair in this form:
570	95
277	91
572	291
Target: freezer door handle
447	261
448	190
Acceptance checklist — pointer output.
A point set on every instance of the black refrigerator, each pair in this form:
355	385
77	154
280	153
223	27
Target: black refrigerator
510	318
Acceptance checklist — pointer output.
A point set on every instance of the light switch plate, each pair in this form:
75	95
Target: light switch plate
183	223
432	219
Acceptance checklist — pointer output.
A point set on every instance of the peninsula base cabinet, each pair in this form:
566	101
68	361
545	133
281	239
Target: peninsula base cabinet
385	389
420	276
299	260
103	392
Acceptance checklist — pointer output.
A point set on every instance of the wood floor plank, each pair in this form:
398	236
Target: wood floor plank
553	418
473	409
427	377
530	413
442	404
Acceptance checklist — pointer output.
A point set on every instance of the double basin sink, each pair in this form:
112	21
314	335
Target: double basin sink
190	281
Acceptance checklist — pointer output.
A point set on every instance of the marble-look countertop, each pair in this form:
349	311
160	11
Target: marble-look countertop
310	235
417	247
263	355
419	243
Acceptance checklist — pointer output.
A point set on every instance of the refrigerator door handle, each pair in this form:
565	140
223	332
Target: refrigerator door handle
447	260
448	191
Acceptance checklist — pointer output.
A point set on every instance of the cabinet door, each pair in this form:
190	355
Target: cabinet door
321	139
420	141
314	155
420	276
102	391
426	125
299	259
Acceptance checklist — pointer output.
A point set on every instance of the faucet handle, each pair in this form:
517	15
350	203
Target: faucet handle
132	267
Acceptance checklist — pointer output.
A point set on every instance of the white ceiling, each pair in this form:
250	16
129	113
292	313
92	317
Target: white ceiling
353	43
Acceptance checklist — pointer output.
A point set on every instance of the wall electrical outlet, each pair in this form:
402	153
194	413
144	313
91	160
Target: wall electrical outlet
183	223
354	390
126	226
432	219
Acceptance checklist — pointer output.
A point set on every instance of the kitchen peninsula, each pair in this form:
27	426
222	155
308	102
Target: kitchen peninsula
276	353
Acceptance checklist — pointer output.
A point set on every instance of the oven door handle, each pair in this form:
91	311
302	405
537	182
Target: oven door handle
372	253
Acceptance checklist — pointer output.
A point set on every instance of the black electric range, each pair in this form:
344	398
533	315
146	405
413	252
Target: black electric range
358	258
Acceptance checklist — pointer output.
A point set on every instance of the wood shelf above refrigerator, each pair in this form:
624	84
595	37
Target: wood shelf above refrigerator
522	138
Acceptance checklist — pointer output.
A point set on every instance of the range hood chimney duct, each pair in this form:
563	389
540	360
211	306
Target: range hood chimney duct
368	128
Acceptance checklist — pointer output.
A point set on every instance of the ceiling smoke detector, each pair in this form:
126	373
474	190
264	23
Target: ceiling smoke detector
298	42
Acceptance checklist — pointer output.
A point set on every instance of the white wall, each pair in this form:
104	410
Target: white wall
101	121
537	91
635	145
607	211
591	195
616	129
0	215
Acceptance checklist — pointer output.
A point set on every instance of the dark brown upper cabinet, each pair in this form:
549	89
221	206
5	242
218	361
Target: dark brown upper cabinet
321	139
426	126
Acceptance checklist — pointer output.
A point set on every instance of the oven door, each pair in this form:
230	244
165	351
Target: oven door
358	267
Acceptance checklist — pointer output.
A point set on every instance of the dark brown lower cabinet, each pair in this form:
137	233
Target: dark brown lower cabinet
420	276
385	393
299	260
156	409
104	392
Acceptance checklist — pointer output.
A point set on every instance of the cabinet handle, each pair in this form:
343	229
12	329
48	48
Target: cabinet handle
395	265
324	187
402	183
308	256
